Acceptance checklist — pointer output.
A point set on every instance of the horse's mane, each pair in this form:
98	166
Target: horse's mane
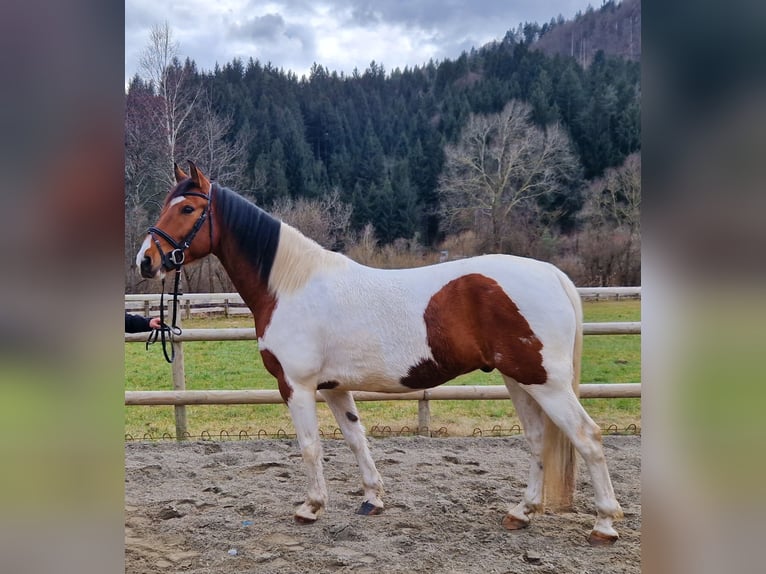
285	258
255	232
298	259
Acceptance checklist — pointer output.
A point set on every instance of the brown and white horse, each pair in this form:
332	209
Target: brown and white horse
327	323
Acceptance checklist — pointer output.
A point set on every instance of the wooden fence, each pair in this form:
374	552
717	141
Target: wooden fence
216	303
232	304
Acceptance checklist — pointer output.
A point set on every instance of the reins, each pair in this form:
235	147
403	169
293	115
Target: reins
170	330
174	259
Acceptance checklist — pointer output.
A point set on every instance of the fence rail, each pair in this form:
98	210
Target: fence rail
180	397
248	333
232	303
445	393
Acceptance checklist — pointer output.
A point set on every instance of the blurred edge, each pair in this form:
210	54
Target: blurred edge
704	310
61	387
61	488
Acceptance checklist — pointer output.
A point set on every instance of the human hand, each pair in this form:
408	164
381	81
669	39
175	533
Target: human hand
155	323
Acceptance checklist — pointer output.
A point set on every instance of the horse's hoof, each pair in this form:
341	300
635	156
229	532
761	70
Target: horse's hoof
304	519
600	539
512	523
369	509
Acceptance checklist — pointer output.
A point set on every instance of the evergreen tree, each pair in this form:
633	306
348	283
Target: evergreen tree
370	161
379	138
277	185
544	108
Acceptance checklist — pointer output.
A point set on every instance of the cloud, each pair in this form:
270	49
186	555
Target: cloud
267	27
338	34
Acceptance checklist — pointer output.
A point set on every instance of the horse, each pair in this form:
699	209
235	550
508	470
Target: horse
328	324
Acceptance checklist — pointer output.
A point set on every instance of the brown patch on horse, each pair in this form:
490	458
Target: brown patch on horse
327	385
257	297
264	308
471	323
274	367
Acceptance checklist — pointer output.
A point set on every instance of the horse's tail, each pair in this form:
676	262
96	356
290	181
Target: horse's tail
559	461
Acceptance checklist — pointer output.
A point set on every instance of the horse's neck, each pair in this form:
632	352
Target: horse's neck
263	256
245	241
246	278
298	259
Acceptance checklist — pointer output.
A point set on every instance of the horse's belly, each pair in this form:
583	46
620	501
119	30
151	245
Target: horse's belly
374	385
374	381
408	374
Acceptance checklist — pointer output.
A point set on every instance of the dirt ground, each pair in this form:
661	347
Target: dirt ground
212	507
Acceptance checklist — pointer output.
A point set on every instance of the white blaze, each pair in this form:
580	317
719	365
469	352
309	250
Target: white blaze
144	246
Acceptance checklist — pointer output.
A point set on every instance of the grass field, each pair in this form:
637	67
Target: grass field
237	365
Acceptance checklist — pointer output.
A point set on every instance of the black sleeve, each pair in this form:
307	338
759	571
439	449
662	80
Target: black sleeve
136	323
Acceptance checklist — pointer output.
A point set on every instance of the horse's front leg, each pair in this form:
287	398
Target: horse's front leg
342	405
302	405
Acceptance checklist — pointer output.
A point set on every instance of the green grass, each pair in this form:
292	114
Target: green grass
612	359
237	365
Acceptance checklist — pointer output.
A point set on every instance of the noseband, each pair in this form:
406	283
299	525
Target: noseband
174	259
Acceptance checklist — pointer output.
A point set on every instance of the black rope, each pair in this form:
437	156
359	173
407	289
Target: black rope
166	332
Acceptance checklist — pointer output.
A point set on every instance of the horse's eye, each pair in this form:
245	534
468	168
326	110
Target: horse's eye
187	209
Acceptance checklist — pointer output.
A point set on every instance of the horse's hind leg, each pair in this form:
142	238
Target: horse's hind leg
561	405
532	420
342	405
302	405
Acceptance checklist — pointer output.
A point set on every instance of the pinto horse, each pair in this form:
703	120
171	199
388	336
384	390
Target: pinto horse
326	323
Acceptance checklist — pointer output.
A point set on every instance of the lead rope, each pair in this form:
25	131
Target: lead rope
167	332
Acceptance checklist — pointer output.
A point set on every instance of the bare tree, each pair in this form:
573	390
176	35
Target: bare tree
145	166
206	142
364	247
615	198
610	245
327	221
501	161
159	62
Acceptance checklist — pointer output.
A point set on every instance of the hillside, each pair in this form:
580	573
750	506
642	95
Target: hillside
614	28
376	140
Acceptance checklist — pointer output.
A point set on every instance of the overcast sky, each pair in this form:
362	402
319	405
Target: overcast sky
338	34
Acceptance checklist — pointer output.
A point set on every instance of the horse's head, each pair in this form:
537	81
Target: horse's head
179	235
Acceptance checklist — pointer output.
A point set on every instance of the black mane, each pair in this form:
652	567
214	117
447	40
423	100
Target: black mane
255	232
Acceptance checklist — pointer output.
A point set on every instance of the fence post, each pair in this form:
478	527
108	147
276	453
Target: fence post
179	380
424	415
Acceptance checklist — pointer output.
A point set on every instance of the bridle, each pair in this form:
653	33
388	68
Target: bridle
174	259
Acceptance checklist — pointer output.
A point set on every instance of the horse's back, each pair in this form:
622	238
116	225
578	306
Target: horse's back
536	287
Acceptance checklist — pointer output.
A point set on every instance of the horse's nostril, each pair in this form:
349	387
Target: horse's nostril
146	264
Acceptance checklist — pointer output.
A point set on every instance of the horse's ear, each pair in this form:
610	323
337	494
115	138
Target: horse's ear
180	175
199	178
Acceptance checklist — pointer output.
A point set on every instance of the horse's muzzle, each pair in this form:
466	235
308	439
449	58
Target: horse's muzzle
146	268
